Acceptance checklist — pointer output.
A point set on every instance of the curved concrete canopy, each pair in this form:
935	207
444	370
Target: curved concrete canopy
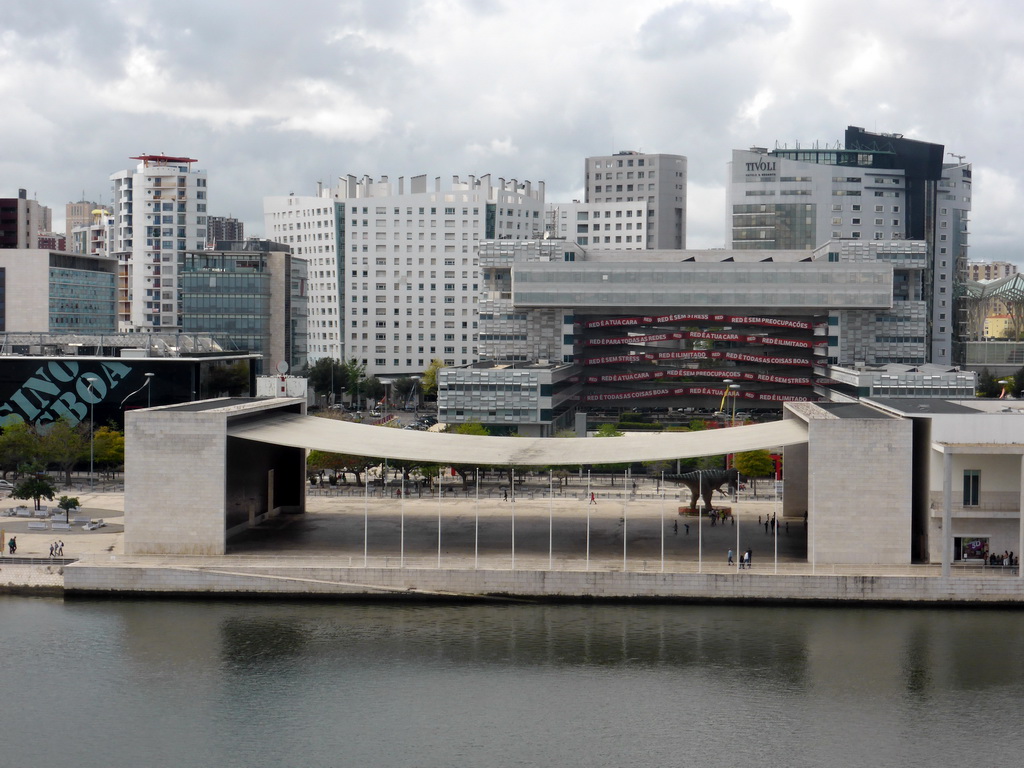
363	440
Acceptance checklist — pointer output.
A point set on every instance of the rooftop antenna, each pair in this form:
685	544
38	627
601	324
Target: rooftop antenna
959	158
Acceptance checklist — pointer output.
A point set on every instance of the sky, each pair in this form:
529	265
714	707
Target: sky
272	97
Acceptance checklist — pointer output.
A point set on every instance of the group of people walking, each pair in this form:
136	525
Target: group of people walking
744	558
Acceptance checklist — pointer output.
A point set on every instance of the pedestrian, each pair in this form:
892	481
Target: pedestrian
51	550
730	557
60	548
634	486
675	527
592	499
504	494
687	527
758	519
747	555
787	526
733	518
766	525
12	545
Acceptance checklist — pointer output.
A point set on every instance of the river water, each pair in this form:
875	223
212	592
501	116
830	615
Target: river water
165	683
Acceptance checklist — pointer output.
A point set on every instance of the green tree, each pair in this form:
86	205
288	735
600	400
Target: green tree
328	376
20	445
355	373
754	464
65	444
373	388
988	386
403	389
36	485
1016	387
230	380
67	503
428	382
109	448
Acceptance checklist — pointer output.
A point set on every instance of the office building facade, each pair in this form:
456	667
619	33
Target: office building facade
22	221
249	296
50	291
877	187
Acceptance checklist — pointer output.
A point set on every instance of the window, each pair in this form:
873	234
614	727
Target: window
972	484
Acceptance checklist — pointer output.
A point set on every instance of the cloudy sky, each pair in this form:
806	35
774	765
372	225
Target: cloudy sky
272	97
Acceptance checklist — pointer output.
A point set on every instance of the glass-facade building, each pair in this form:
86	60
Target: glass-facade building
249	296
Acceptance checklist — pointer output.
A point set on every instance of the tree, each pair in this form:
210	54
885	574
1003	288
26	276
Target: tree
36	485
19	445
227	380
403	389
754	464
108	447
428	382
1016	387
987	384
65	444
373	388
328	376
355	373
67	503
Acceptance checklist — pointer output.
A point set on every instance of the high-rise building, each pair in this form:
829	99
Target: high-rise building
159	214
22	220
248	296
223	229
394	280
879	187
656	181
80	214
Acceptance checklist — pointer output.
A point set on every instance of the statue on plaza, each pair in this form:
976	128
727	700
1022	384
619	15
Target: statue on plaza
704	482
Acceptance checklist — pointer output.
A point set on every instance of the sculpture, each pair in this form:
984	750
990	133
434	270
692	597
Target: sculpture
704	483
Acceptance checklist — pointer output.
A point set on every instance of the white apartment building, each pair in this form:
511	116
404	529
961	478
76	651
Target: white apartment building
159	213
394	279
655	180
878	187
96	237
609	226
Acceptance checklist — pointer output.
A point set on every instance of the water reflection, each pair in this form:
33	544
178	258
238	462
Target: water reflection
236	683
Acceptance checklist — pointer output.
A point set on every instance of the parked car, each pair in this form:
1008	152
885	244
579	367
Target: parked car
6	485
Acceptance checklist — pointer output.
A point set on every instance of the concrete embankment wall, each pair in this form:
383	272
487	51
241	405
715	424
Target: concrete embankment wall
139	580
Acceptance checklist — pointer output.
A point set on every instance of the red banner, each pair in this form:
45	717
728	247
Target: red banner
773	322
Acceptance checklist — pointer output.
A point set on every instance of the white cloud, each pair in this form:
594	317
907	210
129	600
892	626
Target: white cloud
272	97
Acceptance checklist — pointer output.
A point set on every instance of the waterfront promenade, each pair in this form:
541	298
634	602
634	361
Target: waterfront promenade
349	545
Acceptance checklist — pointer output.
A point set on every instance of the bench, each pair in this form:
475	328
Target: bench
60	526
80	520
24	512
38	525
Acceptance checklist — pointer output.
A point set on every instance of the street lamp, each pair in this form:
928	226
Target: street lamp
92	431
735	392
149	392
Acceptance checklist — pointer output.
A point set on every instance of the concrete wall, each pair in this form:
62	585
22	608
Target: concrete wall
860	490
175	463
568	585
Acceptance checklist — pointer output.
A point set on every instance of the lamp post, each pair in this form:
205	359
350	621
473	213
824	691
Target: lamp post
92	432
145	386
734	393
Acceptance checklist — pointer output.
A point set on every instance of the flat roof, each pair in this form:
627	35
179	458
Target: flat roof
923	406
